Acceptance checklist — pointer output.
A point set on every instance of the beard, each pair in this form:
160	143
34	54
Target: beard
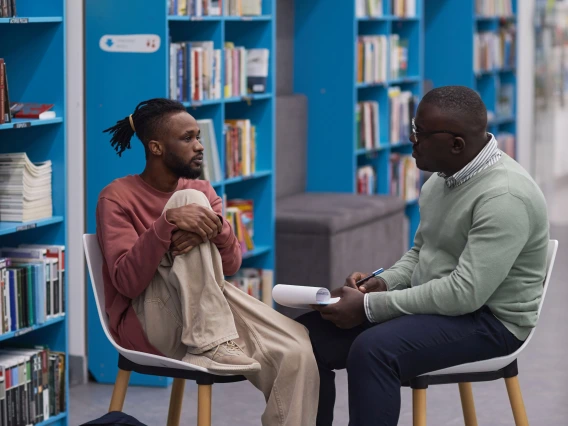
187	170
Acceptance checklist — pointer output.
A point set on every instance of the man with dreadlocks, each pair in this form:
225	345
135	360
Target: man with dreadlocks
166	249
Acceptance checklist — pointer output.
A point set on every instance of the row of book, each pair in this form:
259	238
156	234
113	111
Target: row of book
214	7
32	385
494	7
25	188
404	8
196	71
10	110
255	282
7	8
32	286
494	50
506	142
405	177
240	214
505	100
372	59
366	180
367	122
369	8
403	106
240	149
399	56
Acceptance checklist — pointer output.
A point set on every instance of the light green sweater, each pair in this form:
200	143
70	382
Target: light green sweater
481	243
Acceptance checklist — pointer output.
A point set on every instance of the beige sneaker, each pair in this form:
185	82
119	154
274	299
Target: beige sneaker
228	357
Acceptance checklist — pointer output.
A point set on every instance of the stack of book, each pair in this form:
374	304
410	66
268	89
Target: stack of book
32	286
505	100
369	8
368	129
246	71
240	214
506	142
405	177
212	165
32	385
255	282
366	180
399	57
240	152
494	8
243	7
403	106
372	59
194	7
404	8
25	188
507	45
195	71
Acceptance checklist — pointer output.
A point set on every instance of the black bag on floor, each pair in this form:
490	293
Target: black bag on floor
115	418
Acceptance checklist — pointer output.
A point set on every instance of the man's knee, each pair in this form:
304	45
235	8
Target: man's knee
369	351
299	353
187	196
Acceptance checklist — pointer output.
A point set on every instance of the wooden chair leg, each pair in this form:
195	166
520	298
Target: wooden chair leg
419	407
468	406
204	405
176	401
119	391
516	399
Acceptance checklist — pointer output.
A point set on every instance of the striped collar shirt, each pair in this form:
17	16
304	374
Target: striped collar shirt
488	156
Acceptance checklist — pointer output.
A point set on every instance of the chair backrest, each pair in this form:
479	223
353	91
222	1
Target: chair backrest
94	258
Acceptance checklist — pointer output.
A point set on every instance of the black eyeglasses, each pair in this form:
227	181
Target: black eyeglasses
426	135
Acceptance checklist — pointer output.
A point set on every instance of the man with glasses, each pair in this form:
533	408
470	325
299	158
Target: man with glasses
469	288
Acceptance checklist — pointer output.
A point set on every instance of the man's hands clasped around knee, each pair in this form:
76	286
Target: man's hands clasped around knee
197	224
349	312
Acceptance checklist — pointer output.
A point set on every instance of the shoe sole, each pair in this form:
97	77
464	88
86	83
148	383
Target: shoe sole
225	368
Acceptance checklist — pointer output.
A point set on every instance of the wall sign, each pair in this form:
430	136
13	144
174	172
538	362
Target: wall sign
130	43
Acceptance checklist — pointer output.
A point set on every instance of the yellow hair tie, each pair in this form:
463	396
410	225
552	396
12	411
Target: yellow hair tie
131	123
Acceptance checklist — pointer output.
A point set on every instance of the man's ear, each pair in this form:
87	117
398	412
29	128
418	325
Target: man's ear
458	145
155	148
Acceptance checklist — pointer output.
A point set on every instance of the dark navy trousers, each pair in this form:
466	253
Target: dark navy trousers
379	358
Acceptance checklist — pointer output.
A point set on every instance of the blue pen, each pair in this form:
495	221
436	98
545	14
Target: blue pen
373	275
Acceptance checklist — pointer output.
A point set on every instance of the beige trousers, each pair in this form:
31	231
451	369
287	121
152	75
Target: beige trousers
189	306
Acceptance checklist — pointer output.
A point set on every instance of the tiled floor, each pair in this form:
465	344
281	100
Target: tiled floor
543	376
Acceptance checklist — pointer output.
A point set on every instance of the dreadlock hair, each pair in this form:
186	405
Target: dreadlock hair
148	119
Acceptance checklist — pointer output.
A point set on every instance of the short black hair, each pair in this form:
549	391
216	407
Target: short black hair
460	101
148	118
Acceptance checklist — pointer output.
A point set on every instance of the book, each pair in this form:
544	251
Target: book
403	106
366	180
212	164
405	177
301	297
236	70
369	8
372	59
257	70
490	8
367	121
32	110
240	148
242	7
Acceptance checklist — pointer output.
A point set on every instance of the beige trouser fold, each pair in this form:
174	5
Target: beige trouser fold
189	307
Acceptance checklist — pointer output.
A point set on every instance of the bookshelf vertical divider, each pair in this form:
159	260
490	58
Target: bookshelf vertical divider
116	81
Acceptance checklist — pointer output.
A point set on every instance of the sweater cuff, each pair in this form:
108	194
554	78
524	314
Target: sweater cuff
164	229
367	309
378	307
391	278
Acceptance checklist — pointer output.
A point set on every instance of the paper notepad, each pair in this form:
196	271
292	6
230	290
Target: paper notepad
295	296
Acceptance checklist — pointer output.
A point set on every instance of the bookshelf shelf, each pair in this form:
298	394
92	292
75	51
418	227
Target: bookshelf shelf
256	175
412	202
13	227
121	92
21	123
257	251
497	86
401	144
32	20
54	420
35	59
334	91
21	332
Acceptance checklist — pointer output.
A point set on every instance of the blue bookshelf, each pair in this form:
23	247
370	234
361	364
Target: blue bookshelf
33	47
450	60
112	95
325	70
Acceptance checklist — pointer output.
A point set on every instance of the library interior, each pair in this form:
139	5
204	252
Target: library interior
186	239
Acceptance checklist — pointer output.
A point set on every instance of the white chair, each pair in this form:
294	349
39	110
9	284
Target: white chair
144	363
482	371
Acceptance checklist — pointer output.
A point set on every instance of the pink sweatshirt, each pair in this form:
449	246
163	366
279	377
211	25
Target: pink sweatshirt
134	235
